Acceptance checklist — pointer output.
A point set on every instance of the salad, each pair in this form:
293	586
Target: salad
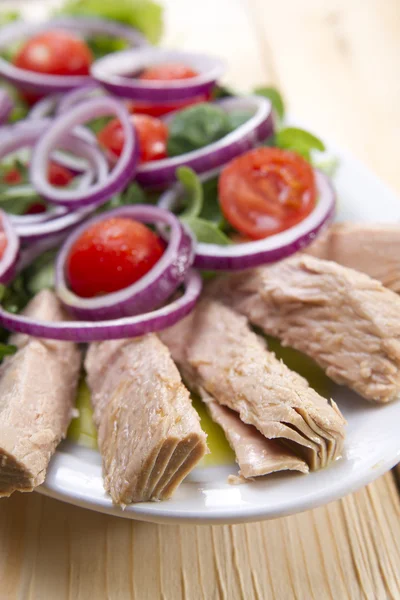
130	175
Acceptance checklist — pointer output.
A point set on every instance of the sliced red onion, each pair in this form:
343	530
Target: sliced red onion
44	107
55	135
258	128
85	92
48	84
128	327
152	290
270	249
117	73
6	106
31	231
8	261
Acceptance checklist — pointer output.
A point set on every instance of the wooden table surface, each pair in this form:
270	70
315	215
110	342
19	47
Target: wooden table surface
336	62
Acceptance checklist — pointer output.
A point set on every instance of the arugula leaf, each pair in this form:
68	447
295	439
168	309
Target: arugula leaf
206	231
298	140
194	192
196	127
145	15
276	98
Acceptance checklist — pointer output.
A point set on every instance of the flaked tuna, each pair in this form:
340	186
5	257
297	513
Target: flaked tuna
218	352
370	248
149	434
37	394
346	321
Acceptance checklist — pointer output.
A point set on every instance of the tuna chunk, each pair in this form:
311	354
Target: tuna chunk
371	249
37	394
149	434
346	321
255	454
220	354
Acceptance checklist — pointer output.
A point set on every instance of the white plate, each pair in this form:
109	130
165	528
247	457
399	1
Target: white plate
372	445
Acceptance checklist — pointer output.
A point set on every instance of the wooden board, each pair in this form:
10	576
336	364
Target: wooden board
337	63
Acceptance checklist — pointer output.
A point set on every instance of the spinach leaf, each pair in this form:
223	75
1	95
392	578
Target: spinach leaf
298	140
206	232
193	198
276	98
145	15
238	118
196	127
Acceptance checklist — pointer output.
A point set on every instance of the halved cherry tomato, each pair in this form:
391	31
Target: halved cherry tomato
266	190
152	134
55	53
167	72
111	255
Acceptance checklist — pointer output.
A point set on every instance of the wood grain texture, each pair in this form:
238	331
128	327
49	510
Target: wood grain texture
348	549
337	64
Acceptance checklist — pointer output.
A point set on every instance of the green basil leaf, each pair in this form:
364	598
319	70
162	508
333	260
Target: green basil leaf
276	98
193	199
196	127
298	140
206	232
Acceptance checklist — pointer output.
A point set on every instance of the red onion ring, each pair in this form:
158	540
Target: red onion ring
152	290
44	108
77	95
8	261
257	129
116	73
117	179
48	84
128	327
270	249
6	106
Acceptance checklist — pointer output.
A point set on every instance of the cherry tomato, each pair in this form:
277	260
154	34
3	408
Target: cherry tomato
111	255
55	53
265	191
152	134
167	72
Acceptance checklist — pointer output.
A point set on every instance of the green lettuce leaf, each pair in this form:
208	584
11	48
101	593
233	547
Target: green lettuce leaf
145	15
